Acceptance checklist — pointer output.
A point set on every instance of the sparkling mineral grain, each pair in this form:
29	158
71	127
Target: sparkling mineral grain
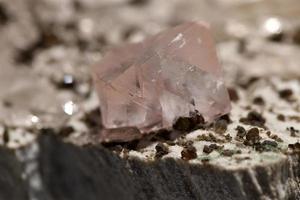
150	84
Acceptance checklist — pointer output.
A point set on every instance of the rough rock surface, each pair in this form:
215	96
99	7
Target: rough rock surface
12	186
66	172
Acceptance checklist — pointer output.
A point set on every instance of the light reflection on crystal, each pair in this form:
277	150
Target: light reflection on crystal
273	25
70	108
34	119
68	79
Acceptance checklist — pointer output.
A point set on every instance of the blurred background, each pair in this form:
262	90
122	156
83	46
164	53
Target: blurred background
48	46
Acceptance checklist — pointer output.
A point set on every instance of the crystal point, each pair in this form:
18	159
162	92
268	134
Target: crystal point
150	84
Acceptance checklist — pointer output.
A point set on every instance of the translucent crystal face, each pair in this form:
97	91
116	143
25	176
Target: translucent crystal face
150	84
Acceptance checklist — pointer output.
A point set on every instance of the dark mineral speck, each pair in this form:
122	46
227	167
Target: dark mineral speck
211	138
205	137
183	124
66	131
93	118
163	135
277	37
294	118
205	160
210	148
281	117
161	150
267	145
275	137
296	37
255	119
46	40
185	143
5	135
285	94
252	136
220	126
207	149
242	45
4	17
241	131
189	153
233	94
138	2
226	118
270	143
197	119
295	147
293	131
228	138
77	5
229	152
7	103
129	32
249	82
259	101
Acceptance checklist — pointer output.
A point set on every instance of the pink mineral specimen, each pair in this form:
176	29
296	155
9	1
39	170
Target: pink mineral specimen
150	84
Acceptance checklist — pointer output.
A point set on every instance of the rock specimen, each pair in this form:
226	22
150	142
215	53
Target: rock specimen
172	74
253	153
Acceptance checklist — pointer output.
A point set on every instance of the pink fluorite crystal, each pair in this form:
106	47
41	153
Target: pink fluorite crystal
150	84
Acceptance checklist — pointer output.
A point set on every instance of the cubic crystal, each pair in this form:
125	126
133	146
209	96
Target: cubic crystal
150	84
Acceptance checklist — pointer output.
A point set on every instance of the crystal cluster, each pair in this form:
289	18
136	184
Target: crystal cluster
150	84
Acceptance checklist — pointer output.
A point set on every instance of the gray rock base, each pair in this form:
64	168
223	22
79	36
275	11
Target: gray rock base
51	169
